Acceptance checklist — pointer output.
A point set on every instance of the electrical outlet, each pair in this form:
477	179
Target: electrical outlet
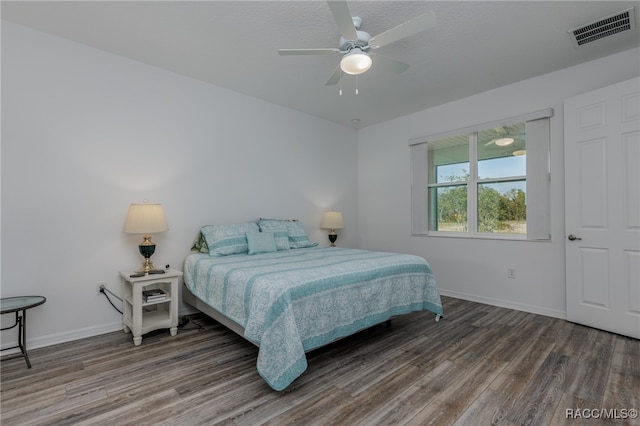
100	285
511	273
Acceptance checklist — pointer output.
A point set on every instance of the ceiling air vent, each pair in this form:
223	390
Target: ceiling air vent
605	27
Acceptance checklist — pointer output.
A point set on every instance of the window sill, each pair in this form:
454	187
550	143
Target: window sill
467	236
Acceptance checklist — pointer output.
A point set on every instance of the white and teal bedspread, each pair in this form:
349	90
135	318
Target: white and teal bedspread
293	301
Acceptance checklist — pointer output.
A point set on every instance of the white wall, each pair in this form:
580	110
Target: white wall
85	133
471	268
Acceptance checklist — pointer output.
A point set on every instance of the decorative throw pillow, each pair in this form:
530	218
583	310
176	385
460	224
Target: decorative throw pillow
200	245
261	242
280	234
282	238
297	236
223	240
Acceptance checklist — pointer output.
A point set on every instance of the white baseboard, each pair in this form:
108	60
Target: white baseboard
55	339
505	304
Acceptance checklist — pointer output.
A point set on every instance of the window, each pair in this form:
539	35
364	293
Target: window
488	180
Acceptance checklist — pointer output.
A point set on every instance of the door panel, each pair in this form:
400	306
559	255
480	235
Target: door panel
630	153
595	267
593	174
633	276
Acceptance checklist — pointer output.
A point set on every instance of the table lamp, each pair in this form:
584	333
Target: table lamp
332	220
146	219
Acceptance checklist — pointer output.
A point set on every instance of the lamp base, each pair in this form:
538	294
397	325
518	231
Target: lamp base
147	248
333	237
147	265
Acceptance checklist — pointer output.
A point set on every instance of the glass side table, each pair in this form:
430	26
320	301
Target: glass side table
19	305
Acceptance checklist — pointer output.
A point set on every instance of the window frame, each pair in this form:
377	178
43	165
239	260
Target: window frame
537	180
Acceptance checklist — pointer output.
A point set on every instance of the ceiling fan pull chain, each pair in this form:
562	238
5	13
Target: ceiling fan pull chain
340	91
356	84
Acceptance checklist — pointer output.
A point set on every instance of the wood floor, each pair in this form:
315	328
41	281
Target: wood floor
479	365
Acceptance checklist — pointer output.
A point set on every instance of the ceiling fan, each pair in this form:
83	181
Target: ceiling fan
506	135
356	46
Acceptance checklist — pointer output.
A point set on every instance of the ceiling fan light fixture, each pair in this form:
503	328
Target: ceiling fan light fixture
504	141
355	62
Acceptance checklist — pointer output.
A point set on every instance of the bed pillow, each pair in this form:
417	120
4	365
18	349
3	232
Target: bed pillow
261	242
296	234
281	236
223	240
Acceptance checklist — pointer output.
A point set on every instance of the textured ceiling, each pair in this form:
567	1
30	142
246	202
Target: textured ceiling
475	46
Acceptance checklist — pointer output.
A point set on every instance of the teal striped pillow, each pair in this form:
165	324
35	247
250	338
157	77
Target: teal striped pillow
296	234
282	239
224	240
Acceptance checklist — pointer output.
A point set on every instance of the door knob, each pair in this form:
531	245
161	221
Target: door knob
573	238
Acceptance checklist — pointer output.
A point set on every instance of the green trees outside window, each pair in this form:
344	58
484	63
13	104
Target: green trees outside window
482	174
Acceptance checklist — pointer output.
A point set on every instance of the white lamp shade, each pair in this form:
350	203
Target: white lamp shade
355	62
332	220
145	219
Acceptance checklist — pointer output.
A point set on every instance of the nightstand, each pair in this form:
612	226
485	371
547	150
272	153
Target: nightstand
141	316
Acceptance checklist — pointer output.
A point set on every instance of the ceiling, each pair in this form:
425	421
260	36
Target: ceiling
476	46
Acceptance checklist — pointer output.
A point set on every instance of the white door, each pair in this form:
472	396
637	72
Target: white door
602	206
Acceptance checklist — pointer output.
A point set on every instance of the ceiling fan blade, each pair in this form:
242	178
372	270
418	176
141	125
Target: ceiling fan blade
389	64
342	15
335	77
419	23
328	51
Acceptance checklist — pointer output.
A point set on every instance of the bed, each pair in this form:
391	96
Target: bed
291	300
